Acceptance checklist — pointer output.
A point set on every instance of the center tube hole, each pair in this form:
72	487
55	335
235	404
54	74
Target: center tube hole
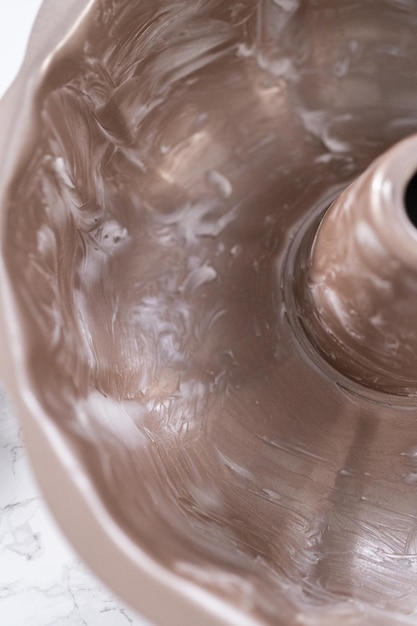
410	200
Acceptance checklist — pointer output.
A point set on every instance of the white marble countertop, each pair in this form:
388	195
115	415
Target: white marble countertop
42	581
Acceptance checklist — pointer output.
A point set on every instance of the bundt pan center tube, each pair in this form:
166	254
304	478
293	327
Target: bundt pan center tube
360	289
208	235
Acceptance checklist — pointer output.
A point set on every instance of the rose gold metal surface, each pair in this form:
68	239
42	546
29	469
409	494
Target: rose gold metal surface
164	168
360	296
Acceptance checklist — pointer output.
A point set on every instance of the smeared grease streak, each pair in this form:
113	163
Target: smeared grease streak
179	148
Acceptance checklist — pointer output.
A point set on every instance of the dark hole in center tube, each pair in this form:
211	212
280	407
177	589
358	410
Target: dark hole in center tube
410	200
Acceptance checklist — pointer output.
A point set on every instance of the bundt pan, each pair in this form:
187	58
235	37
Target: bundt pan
208	278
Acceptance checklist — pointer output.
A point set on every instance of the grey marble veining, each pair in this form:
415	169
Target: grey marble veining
42	581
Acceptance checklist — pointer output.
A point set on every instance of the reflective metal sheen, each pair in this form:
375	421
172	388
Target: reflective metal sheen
199	452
